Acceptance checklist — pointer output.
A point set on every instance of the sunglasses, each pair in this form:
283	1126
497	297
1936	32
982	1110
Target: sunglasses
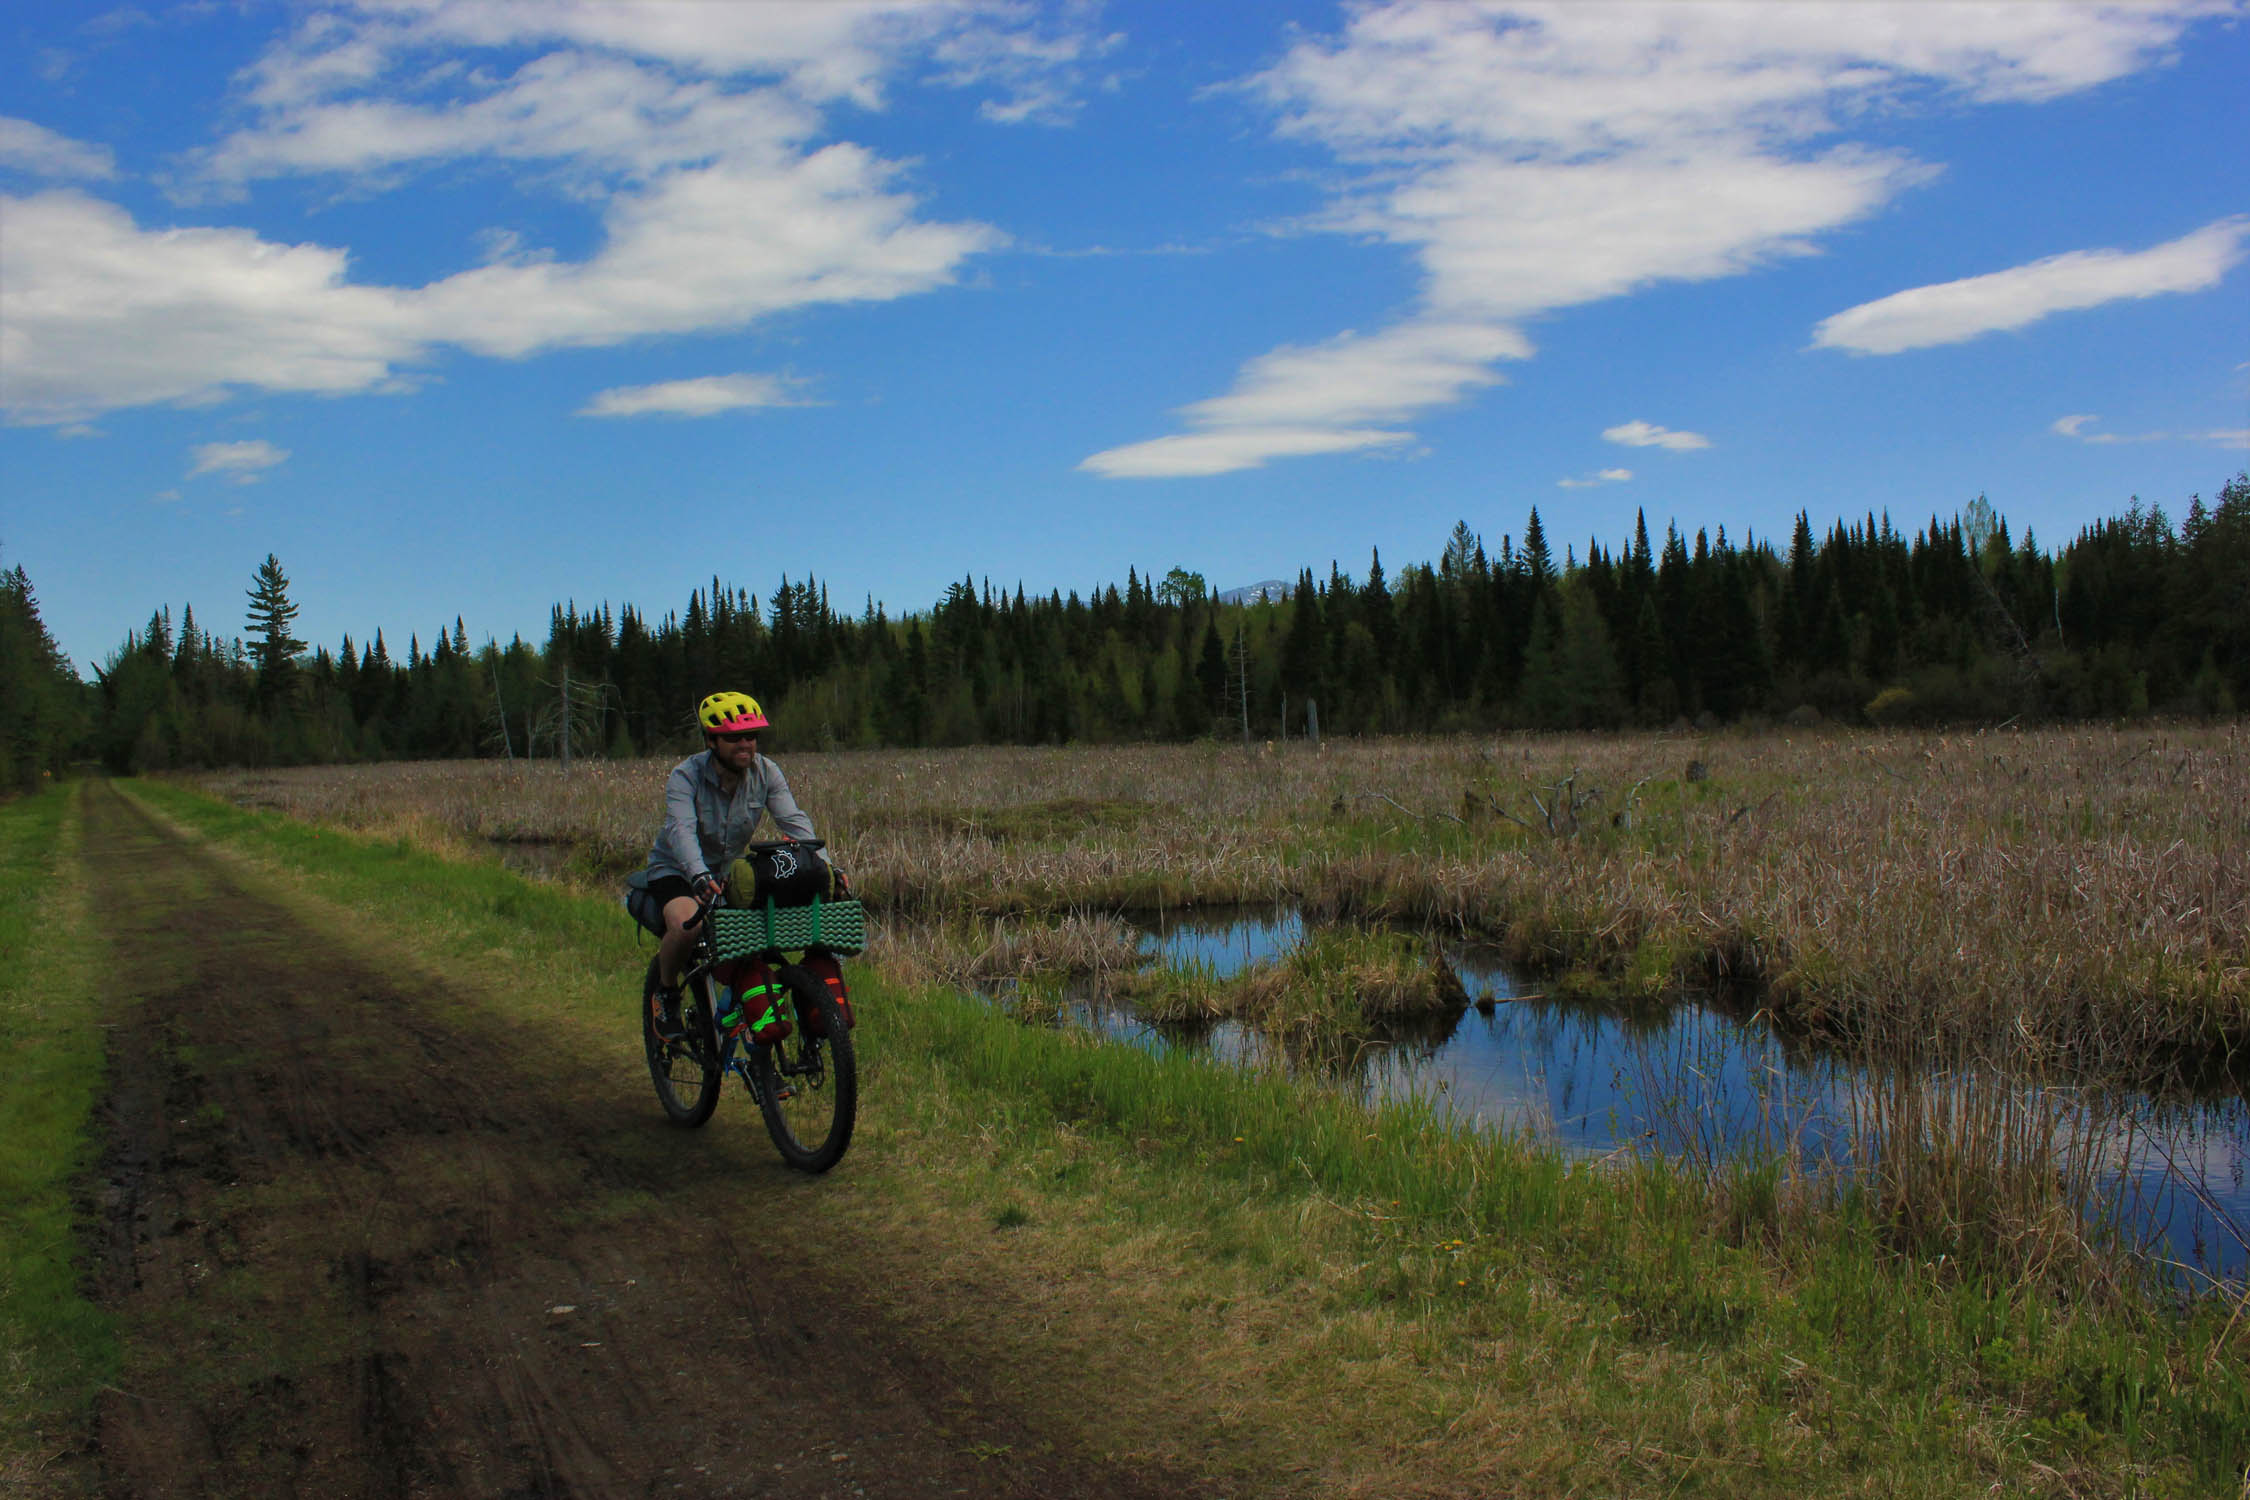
736	739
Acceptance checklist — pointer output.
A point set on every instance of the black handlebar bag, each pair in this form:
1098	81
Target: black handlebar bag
783	876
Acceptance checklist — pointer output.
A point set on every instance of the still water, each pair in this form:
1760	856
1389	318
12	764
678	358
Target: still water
1697	1078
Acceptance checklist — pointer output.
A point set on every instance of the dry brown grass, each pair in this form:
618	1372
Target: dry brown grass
2078	890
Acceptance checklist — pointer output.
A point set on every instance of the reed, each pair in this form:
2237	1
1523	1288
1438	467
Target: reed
1321	1000
974	951
2075	890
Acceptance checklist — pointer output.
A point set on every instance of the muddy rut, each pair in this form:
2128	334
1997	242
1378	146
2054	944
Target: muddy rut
367	1236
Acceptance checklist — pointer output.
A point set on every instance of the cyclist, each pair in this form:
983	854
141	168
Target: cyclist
713	802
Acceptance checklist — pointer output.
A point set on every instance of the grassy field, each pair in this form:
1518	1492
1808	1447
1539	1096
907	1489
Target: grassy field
2069	892
1228	1271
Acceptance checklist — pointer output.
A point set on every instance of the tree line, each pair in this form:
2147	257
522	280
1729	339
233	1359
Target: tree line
1960	621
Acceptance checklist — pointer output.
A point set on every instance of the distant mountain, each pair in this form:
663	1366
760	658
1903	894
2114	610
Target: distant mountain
1273	590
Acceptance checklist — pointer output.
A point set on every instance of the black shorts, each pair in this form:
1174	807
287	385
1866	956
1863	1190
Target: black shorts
670	888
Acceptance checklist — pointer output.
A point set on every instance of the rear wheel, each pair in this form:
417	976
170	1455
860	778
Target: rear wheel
685	1069
808	1084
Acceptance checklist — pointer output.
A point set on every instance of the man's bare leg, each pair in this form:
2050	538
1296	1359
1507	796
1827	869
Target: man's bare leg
672	948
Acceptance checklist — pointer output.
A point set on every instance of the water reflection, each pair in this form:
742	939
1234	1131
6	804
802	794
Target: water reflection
1700	1078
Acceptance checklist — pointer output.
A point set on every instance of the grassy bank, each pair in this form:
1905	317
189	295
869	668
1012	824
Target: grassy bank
1305	1296
2084	891
55	1347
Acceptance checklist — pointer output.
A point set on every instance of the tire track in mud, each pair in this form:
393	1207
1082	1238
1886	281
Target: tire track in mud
359	1245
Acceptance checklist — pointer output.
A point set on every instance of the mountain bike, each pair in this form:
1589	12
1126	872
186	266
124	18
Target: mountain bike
807	1084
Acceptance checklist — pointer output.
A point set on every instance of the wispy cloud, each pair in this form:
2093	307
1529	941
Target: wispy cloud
1331	398
1537	156
2075	427
239	463
1606	476
1233	448
705	396
1637	434
26	147
1952	311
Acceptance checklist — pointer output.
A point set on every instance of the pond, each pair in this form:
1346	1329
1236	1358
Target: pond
1698	1077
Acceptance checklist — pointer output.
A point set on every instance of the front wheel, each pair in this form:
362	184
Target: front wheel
685	1069
808	1084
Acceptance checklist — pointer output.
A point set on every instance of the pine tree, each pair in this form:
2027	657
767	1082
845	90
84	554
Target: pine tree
272	647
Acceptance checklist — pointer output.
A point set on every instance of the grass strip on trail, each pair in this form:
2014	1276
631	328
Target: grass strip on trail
56	1348
1298	1294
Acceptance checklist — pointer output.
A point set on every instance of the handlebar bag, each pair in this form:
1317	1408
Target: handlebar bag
784	876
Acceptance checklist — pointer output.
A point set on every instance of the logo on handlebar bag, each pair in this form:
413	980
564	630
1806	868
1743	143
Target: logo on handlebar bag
784	864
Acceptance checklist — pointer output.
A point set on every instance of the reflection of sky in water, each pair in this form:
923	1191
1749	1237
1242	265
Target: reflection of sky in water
1690	1078
1224	945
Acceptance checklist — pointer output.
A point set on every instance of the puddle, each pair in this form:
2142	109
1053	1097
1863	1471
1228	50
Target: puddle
1695	1078
1225	944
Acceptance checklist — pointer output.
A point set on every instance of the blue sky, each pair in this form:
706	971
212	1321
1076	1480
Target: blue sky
471	306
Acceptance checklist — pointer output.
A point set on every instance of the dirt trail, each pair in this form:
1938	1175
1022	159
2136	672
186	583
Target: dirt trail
362	1243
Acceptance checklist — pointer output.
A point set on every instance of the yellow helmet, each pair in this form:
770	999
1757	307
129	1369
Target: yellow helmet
730	713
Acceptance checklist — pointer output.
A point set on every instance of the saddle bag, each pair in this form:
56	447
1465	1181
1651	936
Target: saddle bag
641	903
829	975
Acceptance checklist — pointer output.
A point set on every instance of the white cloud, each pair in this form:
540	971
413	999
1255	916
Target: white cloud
27	147
241	463
1352	380
1949	312
1225	451
1537	156
100	313
705	396
596	115
696	132
1638	434
1606	476
97	313
2075	427
1292	403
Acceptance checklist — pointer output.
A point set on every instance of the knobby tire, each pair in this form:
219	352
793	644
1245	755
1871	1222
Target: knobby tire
686	1074
812	1127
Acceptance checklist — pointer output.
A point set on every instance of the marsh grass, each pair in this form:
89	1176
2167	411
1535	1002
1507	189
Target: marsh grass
2085	890
1372	1301
977	951
1973	1164
2011	911
1324	997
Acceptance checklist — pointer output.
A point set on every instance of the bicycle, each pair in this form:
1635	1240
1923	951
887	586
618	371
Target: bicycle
807	1084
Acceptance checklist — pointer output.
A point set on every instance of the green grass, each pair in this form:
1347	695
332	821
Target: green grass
1374	1292
56	1347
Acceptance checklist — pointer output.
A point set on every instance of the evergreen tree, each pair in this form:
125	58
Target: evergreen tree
271	645
45	714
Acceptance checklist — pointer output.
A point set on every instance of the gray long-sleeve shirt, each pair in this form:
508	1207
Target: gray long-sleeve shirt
705	829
